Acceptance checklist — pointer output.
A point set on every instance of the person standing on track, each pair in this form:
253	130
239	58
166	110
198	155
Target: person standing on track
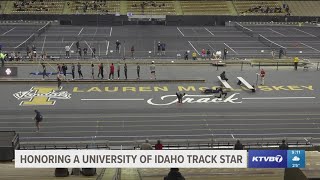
111	73
132	52
180	96
125	71
59	80
72	70
225	52
208	54
67	48
77	44
101	71
92	70
79	71
138	71
262	76
118	46
64	70
153	70
38	118
159	48
44	71
118	70
59	68
296	61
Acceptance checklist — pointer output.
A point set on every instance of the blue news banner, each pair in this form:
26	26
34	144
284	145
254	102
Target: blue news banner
276	159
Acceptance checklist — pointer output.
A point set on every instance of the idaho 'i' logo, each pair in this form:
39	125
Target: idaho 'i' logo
38	96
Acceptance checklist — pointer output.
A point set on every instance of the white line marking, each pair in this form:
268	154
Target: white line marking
107	51
25	40
180	32
310	47
44	42
230	48
211	47
194	48
112	99
110	32
80	32
209	31
8	31
277	32
88	46
271	98
232	136
305	32
71	44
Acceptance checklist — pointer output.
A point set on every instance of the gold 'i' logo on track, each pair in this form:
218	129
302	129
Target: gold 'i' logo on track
38	96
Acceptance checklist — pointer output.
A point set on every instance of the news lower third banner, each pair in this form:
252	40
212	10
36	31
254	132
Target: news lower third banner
131	158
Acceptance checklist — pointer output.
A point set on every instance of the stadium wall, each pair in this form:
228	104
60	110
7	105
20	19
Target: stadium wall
171	20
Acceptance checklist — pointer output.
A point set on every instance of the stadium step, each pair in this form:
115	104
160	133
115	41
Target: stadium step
177	7
123	7
231	7
130	174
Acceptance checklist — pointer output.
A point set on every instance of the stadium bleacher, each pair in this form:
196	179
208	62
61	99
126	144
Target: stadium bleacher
151	7
204	7
92	7
304	8
42	7
259	8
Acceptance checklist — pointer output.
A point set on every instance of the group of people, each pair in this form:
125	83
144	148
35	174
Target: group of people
62	71
208	55
161	47
23	5
269	9
92	5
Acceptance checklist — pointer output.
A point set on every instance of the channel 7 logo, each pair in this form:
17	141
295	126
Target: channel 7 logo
267	159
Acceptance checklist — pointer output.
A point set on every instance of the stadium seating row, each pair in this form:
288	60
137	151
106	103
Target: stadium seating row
299	8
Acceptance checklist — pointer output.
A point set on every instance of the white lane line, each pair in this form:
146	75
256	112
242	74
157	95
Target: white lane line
107	51
25	41
71	44
277	32
88	46
8	31
305	32
180	31
48	121
194	48
80	32
174	115
230	48
209	31
310	47
211	47
112	99
110	32
44	42
232	136
274	98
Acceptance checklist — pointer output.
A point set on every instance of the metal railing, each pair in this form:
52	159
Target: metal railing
249	143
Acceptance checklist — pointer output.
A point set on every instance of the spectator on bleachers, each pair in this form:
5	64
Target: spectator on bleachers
174	174
158	146
146	146
238	145
284	145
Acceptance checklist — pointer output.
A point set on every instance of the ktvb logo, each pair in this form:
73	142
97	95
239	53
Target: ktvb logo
277	159
38	96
